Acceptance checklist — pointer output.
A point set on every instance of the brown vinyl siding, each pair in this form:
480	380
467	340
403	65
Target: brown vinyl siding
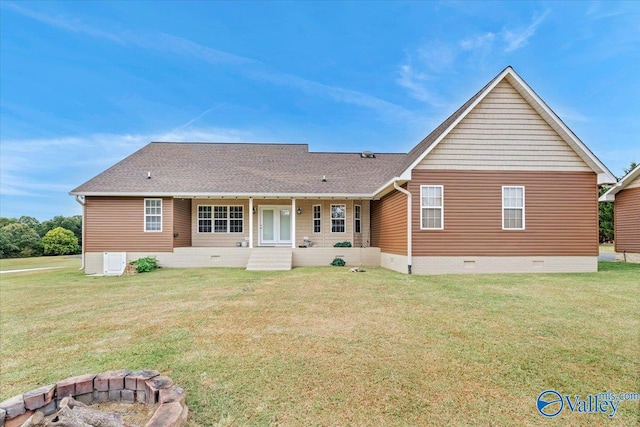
117	224
627	220
561	214
389	223
182	223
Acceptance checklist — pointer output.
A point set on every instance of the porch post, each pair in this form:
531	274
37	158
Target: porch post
293	223
250	222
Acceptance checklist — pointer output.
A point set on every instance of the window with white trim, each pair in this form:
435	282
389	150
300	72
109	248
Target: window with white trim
513	208
338	218
357	218
220	219
431	207
152	214
317	218
205	222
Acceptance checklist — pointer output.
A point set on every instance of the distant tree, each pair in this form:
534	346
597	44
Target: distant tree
6	221
20	240
60	241
30	221
631	167
73	223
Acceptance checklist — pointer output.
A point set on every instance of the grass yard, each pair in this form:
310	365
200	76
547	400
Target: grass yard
320	346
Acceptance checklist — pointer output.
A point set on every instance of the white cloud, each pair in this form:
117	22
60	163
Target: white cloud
415	83
479	41
251	68
518	38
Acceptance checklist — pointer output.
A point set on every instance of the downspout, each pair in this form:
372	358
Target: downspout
409	239
81	201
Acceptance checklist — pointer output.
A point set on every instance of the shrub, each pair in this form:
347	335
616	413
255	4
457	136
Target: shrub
345	244
144	265
338	262
60	241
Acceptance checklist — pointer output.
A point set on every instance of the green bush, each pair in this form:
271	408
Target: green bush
345	244
60	241
144	265
338	262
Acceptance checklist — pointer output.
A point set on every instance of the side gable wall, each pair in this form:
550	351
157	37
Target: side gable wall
561	214
389	223
627	218
117	224
503	132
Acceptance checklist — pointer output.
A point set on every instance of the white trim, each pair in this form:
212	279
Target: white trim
313	219
524	206
250	222
441	207
610	195
144	205
230	196
604	175
331	218
294	214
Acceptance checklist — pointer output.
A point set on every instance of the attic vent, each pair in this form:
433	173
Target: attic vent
367	155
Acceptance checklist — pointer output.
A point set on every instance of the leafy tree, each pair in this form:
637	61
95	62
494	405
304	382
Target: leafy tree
19	240
6	221
60	241
73	223
631	167
29	221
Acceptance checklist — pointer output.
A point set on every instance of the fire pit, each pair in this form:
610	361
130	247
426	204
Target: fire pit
54	405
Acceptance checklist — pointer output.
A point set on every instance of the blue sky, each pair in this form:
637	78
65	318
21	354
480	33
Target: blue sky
84	84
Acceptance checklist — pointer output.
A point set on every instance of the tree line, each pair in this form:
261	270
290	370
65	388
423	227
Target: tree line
28	237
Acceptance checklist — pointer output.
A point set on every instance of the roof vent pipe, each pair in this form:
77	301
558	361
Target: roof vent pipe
148	175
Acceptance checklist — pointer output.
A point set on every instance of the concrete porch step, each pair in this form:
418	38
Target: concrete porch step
270	259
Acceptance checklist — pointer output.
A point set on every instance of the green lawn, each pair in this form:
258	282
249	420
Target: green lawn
40	262
321	346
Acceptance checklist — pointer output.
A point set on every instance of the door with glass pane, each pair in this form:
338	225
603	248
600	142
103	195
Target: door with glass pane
275	225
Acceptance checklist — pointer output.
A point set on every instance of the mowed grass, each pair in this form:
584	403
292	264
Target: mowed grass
40	262
321	346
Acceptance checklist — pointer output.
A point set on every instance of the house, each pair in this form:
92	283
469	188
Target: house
502	185
625	196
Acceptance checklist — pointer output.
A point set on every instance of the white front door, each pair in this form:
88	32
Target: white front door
275	225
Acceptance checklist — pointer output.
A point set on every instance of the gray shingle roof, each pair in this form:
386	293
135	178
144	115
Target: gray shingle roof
229	168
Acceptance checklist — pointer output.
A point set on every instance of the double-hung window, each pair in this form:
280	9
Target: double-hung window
513	208
205	222
431	207
317	218
220	219
152	214
357	218
338	218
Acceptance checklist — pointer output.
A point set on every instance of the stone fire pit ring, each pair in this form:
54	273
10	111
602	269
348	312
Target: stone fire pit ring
147	387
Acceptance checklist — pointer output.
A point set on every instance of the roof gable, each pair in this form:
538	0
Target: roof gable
508	75
630	180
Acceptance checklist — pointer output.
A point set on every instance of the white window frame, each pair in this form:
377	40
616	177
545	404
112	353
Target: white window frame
149	215
210	219
523	208
344	220
423	207
357	219
213	219
318	219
